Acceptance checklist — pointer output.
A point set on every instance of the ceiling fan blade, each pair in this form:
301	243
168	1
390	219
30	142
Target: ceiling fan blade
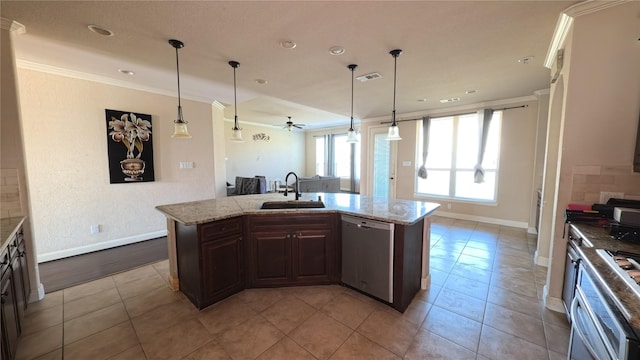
297	126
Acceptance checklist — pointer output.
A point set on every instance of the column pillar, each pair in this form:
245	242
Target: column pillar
12	143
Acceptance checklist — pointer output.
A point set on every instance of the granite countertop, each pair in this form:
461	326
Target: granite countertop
402	212
619	292
8	228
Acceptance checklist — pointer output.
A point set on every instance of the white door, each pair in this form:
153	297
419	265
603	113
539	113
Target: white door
383	170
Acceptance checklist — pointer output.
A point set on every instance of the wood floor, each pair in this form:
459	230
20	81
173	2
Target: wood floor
60	274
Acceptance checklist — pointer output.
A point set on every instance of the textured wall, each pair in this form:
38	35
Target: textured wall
284	152
65	139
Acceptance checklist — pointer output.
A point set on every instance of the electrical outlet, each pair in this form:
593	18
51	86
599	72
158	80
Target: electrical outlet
95	229
606	195
448	206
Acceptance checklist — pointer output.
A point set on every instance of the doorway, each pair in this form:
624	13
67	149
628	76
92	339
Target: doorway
383	169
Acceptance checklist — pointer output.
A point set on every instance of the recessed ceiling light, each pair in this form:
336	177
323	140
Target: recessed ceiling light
422	100
288	44
100	30
525	60
261	81
126	72
471	91
336	50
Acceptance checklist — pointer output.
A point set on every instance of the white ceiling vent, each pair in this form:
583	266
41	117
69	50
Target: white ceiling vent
449	100
367	77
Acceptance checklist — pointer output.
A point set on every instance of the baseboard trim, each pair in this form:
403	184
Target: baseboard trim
425	283
36	295
61	254
541	260
552	303
488	220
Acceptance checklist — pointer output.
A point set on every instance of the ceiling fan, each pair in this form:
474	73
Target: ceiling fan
289	125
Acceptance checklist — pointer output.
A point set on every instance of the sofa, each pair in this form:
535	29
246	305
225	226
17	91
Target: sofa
247	185
328	184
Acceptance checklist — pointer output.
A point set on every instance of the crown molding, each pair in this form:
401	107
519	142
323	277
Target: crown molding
13	26
23	64
542	92
457	109
218	105
565	22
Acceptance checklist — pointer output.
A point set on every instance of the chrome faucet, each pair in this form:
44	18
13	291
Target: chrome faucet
286	185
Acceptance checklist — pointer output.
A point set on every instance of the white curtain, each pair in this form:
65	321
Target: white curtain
484	119
426	123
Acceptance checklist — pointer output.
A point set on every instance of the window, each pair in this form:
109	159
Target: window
452	155
321	156
341	160
334	157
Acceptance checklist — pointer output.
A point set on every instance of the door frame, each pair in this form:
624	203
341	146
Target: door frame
393	156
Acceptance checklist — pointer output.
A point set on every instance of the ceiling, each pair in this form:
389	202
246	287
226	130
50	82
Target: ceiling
449	48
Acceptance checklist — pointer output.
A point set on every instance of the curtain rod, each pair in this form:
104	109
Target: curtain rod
507	108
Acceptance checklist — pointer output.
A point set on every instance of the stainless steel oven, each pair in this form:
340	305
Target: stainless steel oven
598	330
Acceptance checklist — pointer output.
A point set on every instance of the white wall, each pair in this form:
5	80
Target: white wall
65	139
273	159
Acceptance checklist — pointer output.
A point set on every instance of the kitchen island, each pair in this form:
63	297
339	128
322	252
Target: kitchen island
220	246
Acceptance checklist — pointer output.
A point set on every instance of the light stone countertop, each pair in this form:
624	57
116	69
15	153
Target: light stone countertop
8	228
402	212
628	302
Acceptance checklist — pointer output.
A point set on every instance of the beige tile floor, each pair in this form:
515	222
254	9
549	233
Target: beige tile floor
483	303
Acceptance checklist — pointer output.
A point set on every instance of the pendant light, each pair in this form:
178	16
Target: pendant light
351	134
180	126
237	132
394	132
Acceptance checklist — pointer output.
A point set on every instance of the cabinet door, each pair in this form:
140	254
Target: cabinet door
311	258
18	286
271	254
24	271
222	268
8	310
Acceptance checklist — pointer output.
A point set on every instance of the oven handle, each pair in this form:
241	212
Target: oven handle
576	329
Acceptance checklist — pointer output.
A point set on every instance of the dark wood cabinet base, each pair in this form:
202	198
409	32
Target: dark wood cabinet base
219	259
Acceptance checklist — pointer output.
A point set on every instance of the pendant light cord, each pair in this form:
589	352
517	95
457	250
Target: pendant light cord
352	67
235	101
178	72
395	64
395	53
234	65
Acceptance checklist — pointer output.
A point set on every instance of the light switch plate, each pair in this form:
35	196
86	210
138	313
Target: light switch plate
186	165
406	163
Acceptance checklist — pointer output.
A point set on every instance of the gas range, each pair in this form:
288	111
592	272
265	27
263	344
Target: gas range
626	264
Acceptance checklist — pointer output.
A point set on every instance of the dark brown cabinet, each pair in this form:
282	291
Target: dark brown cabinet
15	292
9	310
296	249
210	260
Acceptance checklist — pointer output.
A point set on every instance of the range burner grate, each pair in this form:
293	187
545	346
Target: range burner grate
626	264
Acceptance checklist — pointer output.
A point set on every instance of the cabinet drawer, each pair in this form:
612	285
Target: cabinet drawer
291	222
217	229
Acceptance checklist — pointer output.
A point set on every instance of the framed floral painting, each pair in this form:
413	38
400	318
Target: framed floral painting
130	146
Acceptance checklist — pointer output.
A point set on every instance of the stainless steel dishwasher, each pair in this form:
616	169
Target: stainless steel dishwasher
367	256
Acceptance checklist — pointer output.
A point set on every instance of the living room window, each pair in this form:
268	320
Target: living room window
453	154
335	157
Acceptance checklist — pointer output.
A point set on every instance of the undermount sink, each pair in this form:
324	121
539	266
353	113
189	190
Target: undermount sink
292	204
